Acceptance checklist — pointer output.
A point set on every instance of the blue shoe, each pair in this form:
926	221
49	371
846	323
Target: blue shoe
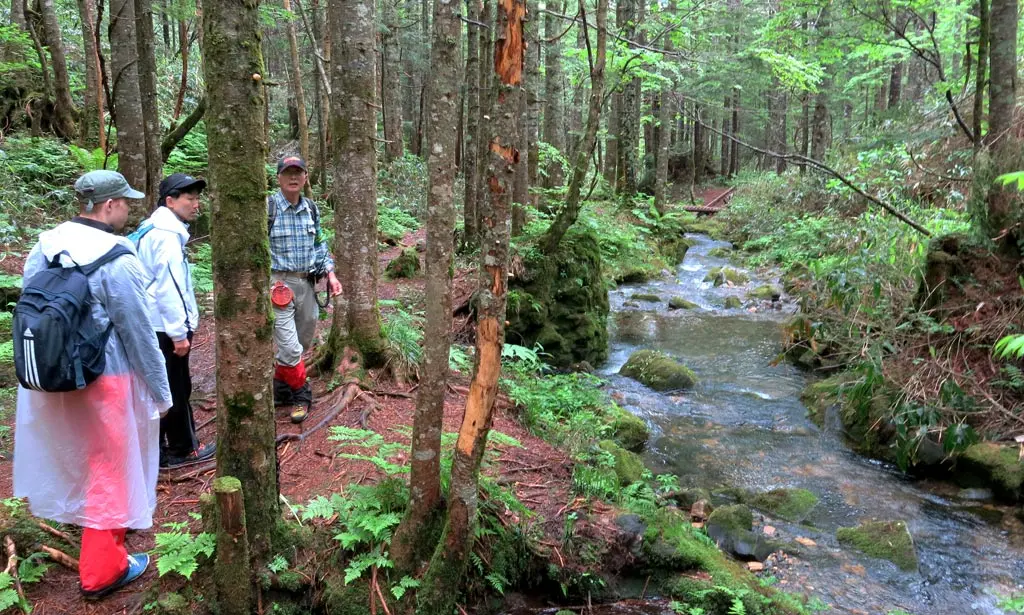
137	564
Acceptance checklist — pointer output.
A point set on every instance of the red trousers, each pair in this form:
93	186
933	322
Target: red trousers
104	560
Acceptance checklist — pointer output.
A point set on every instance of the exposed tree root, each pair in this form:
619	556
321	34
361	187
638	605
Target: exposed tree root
60	557
351	392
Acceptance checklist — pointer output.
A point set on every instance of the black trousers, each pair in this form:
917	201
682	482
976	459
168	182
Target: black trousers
178	428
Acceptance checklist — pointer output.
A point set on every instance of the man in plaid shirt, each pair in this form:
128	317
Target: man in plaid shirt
296	251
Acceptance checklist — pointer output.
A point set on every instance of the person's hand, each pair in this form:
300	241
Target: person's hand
333	285
181	347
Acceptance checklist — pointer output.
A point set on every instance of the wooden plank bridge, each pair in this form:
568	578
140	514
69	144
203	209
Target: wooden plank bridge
715	200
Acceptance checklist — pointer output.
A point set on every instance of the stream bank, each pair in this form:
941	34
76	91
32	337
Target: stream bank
743	429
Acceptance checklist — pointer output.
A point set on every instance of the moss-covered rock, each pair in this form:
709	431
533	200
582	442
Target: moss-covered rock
991	465
686	498
888	540
733	518
680	303
722	275
789	504
648	297
730	528
405	265
561	302
629	430
821	395
709	226
173	604
633	275
733	303
720	252
629	468
674	249
766	292
658	371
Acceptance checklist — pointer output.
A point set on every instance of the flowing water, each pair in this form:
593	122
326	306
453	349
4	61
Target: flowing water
744	426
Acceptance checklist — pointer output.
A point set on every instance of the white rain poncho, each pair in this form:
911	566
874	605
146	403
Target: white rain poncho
91	457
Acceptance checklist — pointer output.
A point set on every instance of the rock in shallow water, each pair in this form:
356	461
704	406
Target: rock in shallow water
658	371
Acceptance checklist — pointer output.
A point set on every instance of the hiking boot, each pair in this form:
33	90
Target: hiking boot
200	454
137	564
299	414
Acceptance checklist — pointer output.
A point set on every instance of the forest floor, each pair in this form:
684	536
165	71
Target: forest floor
539	474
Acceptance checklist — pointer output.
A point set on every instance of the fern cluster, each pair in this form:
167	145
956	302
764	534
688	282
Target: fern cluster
178	550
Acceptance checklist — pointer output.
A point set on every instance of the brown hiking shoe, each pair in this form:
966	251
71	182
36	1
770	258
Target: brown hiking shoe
299	414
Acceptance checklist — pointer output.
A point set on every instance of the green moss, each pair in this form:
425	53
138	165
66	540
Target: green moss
721	275
628	430
6	319
709	226
818	396
789	504
765	292
405	265
342	599
720	252
994	466
674	249
680	303
889	540
7	375
658	371
173	604
732	518
634	275
648	297
733	303
629	468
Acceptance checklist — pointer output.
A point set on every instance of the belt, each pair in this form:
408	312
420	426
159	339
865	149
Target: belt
300	274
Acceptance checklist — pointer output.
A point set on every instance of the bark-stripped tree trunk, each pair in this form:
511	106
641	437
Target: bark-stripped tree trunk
354	126
571	210
126	101
63	107
448	564
295	72
246	431
981	73
554	93
469	160
148	97
411	540
90	125
183	44
391	83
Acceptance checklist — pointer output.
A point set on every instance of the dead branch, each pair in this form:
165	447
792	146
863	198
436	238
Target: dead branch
55	532
60	557
12	565
351	391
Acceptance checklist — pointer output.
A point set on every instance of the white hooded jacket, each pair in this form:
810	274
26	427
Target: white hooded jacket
171	297
90	457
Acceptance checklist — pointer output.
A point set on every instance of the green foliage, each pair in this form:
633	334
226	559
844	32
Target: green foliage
566	409
1011	346
402	331
189	155
459	359
95	160
178	550
394	223
1012	178
202	268
379	451
1013	604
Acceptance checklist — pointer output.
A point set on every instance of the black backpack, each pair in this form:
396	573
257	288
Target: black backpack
58	346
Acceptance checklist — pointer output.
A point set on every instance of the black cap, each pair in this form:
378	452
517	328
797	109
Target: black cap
181	183
290	161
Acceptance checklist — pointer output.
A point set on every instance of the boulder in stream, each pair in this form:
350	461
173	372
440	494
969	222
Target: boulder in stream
733	303
629	468
888	540
720	275
730	528
658	371
629	430
994	466
766	292
648	297
680	303
789	504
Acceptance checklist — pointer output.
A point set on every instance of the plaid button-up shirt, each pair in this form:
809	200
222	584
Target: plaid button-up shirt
295	242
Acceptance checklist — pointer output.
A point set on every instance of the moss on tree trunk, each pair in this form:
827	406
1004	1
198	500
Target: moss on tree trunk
241	260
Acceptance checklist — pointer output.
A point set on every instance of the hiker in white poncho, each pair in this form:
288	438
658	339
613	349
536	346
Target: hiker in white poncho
89	457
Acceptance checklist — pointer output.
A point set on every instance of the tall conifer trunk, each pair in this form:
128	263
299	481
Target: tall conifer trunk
354	126
981	73
1004	138
126	103
298	91
63	107
554	117
410	541
469	160
391	83
90	126
448	564
246	431
146	49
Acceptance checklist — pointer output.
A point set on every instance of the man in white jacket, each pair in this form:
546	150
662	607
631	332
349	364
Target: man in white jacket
161	241
89	456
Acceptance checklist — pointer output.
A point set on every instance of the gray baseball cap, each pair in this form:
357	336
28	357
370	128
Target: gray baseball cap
98	186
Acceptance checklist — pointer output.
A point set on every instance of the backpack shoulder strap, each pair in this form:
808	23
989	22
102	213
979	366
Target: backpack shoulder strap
271	212
136	236
115	252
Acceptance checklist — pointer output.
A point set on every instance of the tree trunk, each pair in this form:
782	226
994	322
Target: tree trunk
63	107
18	14
183	43
895	86
533	52
819	126
664	121
296	85
805	130
448	564
724	162
778	125
570	211
148	97
554	117
485	119
354	126
1003	75
182	129
232	567
527	123
241	263
981	73
411	541
90	127
126	102
469	160
697	158
629	113
734	151
391	83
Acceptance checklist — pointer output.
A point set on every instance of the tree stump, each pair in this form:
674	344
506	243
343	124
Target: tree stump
232	573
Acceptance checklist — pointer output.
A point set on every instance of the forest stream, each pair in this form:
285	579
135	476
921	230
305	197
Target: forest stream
744	426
